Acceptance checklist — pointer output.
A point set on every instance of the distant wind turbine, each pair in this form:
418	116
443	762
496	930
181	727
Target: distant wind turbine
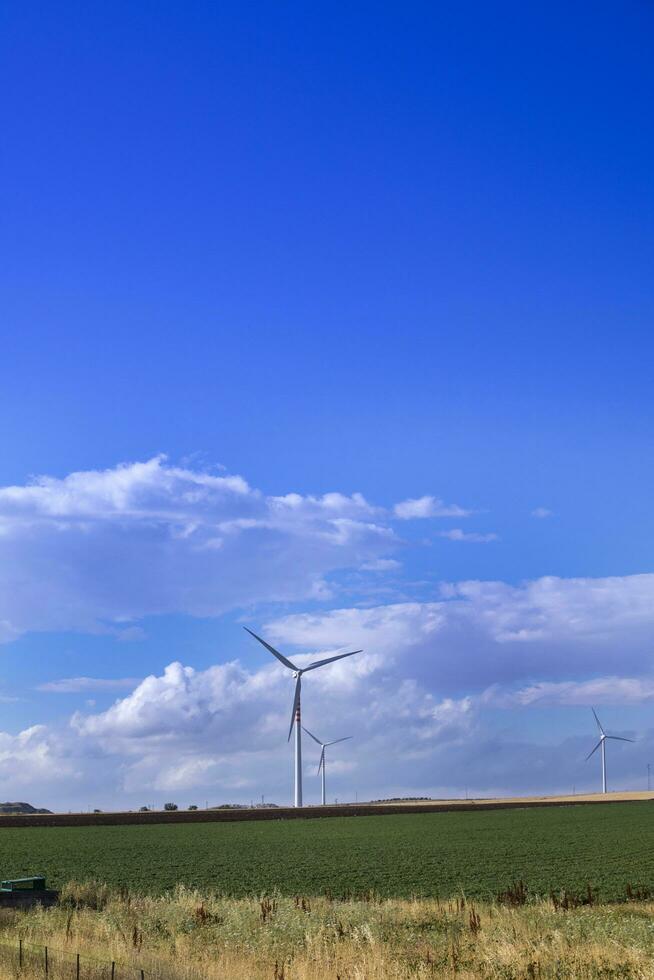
602	744
295	714
321	764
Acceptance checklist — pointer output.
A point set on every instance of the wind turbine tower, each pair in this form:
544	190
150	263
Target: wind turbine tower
602	745
296	720
321	764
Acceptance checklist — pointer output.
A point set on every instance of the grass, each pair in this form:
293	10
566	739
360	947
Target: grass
426	855
191	935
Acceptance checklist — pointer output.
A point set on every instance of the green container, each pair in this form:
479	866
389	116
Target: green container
37	884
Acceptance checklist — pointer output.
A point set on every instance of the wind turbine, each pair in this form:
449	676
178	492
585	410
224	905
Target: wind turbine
602	744
295	714
321	764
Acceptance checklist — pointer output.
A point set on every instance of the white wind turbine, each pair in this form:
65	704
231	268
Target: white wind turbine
602	744
295	714
321	764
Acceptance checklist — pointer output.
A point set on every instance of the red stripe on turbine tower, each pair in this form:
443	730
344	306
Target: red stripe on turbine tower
295	713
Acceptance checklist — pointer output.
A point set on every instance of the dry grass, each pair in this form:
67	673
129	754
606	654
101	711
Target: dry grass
618	797
189	935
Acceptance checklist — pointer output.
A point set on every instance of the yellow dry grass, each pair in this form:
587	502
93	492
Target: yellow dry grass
617	797
189	935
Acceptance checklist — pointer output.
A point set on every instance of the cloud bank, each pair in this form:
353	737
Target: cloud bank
481	633
419	701
97	551
100	549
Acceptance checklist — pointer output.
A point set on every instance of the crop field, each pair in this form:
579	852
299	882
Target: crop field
403	855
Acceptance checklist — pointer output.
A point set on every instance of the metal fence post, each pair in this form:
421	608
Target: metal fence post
77	968
142	974
20	953
113	970
46	960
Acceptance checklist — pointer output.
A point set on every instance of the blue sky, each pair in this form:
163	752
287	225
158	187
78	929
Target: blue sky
397	251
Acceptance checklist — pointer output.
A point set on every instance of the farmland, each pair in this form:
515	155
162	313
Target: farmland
425	854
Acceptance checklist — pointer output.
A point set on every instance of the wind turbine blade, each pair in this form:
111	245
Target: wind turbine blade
330	660
619	738
322	760
296	702
599	724
594	750
275	653
311	736
337	740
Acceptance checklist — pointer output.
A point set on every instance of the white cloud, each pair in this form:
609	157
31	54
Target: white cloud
383	631
598	690
222	732
541	512
99	550
481	633
227	727
96	550
415	702
456	534
421	507
182	774
78	685
381	565
35	759
451	719
179	702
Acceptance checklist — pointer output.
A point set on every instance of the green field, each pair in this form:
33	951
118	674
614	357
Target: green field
436	854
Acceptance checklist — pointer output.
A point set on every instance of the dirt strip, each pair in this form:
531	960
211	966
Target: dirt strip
220	815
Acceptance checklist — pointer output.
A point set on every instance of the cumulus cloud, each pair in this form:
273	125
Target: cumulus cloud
215	729
35	757
96	550
541	512
227	726
416	695
421	507
223	730
181	702
415	700
457	534
452	719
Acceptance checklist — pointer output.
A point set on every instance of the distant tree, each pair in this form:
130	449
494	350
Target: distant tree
97	811
192	806
143	809
170	806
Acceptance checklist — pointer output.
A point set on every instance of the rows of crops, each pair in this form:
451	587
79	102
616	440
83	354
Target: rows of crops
408	854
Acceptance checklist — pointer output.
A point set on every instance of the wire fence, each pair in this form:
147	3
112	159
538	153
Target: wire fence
23	959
